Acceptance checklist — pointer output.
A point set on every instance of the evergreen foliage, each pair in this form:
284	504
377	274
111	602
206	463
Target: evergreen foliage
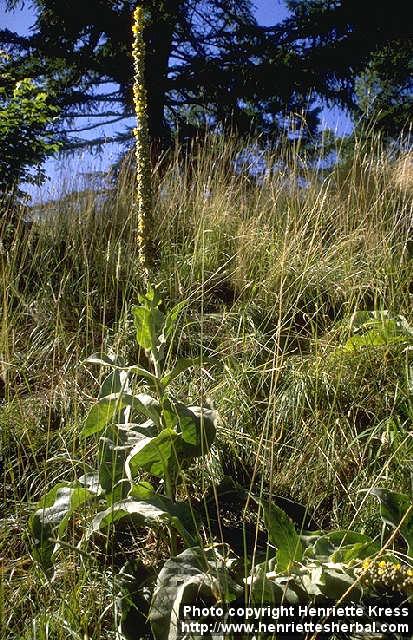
362	53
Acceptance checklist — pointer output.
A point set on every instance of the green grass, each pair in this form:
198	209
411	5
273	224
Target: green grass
275	276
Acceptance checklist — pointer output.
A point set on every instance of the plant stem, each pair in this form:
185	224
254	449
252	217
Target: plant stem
170	488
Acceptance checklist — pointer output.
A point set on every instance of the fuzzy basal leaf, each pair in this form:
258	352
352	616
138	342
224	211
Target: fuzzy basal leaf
152	512
282	534
196	574
111	460
102	413
396	510
198	429
52	516
115	382
114	363
153	454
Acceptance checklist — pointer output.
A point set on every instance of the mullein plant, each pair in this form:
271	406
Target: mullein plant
142	202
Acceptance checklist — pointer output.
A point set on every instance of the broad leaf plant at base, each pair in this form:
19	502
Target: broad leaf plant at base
147	439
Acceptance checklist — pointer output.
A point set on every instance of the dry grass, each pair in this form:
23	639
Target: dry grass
274	269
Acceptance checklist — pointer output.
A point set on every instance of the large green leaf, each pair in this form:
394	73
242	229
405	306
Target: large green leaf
282	534
112	456
372	338
106	361
142	490
172	317
356	551
152	512
272	588
52	516
144	333
342	545
115	382
140	372
175	573
383	330
135	581
394	509
334	580
197	426
145	405
149	321
328	544
102	413
154	455
106	409
304	582
197	574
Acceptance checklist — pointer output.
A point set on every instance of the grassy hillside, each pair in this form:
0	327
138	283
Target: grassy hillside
298	285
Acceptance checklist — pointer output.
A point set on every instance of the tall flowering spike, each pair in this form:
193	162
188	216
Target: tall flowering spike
143	193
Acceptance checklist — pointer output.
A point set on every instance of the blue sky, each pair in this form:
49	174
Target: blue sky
267	11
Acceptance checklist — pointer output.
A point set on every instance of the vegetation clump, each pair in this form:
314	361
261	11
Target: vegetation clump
287	296
27	114
293	566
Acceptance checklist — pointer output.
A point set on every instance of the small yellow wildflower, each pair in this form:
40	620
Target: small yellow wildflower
386	575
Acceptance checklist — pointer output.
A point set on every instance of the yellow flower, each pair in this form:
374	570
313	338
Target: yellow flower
143	192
